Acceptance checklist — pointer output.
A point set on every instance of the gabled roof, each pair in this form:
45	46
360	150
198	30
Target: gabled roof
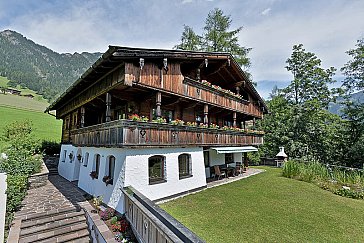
117	54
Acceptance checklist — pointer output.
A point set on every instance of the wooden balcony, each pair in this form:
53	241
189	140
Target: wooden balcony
125	133
175	83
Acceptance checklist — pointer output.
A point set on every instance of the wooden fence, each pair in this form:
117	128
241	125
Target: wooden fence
152	224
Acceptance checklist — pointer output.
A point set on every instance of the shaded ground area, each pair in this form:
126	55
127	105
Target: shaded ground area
58	193
51	213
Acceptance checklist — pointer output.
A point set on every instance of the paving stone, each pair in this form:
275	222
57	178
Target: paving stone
51	213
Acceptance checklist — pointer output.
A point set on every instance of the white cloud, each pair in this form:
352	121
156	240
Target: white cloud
266	11
328	32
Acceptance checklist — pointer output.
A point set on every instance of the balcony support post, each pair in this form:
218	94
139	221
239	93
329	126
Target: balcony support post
234	119
108	107
244	125
206	114
237	90
159	103
82	116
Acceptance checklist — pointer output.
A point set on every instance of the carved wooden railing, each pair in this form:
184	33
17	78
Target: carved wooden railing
151	224
132	133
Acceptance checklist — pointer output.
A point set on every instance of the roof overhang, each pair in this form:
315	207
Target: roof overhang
227	150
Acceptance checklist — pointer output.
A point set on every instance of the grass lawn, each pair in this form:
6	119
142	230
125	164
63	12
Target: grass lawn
270	208
45	126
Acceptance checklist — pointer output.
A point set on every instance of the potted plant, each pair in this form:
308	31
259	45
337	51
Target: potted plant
93	175
108	180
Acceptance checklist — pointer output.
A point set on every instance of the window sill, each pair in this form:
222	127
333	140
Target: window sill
157	182
185	177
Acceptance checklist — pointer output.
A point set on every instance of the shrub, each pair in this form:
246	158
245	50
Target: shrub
50	147
291	169
16	191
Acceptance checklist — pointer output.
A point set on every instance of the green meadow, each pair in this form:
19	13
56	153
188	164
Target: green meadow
18	108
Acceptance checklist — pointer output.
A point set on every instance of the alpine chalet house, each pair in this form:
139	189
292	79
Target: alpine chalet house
156	120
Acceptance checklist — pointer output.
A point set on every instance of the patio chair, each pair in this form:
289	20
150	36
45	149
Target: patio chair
218	172
238	168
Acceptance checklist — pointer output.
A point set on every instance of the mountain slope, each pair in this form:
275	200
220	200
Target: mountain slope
336	107
38	68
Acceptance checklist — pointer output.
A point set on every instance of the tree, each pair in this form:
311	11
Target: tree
354	110
354	69
298	117
310	80
189	40
216	38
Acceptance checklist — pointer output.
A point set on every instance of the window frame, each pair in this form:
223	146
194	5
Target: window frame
85	159
96	165
188	164
163	177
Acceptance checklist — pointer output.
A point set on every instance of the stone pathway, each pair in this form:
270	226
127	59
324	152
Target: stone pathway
51	213
57	193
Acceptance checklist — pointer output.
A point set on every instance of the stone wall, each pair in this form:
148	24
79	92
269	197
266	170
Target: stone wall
39	179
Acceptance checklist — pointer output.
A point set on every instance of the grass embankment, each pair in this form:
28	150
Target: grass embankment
16	108
270	208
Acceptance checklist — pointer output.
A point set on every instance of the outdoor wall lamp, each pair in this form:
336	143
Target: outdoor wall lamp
141	63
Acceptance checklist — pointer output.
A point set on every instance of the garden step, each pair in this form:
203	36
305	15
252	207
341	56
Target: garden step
38	222
68	232
81	236
51	226
41	215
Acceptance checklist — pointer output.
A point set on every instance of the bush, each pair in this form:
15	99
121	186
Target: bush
16	191
291	169
335	180
50	147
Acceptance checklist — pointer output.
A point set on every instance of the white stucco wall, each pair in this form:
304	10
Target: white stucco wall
137	174
3	187
131	169
110	193
66	166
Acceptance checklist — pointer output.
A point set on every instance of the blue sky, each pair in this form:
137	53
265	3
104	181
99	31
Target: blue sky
271	27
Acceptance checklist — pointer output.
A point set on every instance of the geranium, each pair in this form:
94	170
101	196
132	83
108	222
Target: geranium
107	214
177	122
134	117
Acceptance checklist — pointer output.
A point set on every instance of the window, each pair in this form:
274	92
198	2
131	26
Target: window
85	160
206	158
64	155
111	168
96	166
184	166
156	169
229	158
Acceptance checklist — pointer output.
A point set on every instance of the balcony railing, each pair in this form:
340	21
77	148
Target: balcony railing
134	133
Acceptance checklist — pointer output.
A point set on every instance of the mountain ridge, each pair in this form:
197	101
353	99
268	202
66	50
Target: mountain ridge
39	68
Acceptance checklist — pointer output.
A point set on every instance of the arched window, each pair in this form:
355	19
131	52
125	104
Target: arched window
184	166
157	170
85	160
96	165
110	169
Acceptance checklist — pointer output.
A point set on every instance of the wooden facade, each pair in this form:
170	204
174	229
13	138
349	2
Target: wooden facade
202	88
